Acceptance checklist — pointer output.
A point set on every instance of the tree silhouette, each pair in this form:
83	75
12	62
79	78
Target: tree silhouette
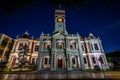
11	6
69	4
22	57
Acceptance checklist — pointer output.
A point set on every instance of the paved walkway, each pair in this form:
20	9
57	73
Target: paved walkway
59	75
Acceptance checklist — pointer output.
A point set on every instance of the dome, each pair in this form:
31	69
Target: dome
26	35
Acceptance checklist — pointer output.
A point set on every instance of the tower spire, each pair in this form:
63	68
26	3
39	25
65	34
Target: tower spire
60	6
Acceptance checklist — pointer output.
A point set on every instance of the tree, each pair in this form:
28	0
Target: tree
22	57
114	57
11	6
69	4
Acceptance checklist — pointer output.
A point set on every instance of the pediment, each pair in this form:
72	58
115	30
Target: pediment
59	35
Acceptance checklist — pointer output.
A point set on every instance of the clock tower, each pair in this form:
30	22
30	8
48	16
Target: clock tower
60	25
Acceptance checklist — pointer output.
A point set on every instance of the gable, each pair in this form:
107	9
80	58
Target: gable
59	35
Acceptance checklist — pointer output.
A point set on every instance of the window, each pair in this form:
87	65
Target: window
1	51
47	60
59	45
33	60
73	45
82	48
4	42
14	61
73	60
47	45
96	47
93	60
20	46
85	60
36	47
101	59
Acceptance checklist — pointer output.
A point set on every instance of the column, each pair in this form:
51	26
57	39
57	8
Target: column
86	44
53	55
14	46
80	53
70	61
39	61
67	55
93	48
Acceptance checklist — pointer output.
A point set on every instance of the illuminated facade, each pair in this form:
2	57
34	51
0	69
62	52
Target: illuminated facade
6	44
60	50
19	42
63	51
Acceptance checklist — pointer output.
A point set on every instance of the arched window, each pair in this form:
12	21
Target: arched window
82	47
101	59
96	47
60	45
47	60
93	60
85	60
74	61
47	45
72	45
13	61
36	47
33	61
20	46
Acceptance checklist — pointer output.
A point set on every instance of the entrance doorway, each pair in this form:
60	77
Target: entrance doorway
60	62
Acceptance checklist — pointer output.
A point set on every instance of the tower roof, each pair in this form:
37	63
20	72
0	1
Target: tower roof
90	34
26	35
59	12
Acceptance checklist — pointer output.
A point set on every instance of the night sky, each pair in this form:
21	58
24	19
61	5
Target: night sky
100	17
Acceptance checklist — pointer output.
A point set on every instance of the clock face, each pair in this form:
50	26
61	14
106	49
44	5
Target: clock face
60	19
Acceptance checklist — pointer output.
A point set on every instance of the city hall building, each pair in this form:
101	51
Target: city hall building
61	50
